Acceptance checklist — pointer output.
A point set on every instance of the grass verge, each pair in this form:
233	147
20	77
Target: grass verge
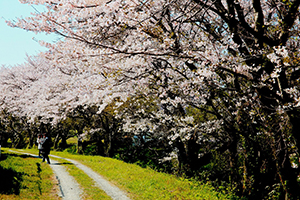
23	177
144	183
87	184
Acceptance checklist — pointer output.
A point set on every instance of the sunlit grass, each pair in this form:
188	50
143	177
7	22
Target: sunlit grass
144	183
23	177
72	140
87	184
141	183
147	183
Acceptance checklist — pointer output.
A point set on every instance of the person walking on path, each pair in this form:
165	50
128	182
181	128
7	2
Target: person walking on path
46	148
40	141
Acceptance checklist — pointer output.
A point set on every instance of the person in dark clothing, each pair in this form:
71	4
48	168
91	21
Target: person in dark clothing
46	149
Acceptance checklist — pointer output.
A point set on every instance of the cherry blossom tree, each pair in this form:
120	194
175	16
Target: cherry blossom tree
236	61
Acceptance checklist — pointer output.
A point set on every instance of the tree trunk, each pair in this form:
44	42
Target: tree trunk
79	142
193	149
56	140
110	150
31	138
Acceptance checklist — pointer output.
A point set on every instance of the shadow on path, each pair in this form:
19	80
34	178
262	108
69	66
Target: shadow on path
64	163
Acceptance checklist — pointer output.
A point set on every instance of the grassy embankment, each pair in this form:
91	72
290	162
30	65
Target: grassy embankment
139	183
22	177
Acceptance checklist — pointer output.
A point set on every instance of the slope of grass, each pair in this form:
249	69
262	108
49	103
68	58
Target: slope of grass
143	183
23	177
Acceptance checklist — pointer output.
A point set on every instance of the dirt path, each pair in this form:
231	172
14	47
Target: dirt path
70	189
111	190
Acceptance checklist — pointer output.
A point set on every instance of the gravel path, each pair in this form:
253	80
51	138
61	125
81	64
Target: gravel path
70	189
111	190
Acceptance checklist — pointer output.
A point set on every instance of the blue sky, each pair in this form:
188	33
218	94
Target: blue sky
15	43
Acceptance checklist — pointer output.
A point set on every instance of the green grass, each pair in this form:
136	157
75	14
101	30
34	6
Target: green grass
87	184
23	177
72	140
139	183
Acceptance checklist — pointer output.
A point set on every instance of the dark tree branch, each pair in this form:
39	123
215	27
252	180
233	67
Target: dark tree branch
288	21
